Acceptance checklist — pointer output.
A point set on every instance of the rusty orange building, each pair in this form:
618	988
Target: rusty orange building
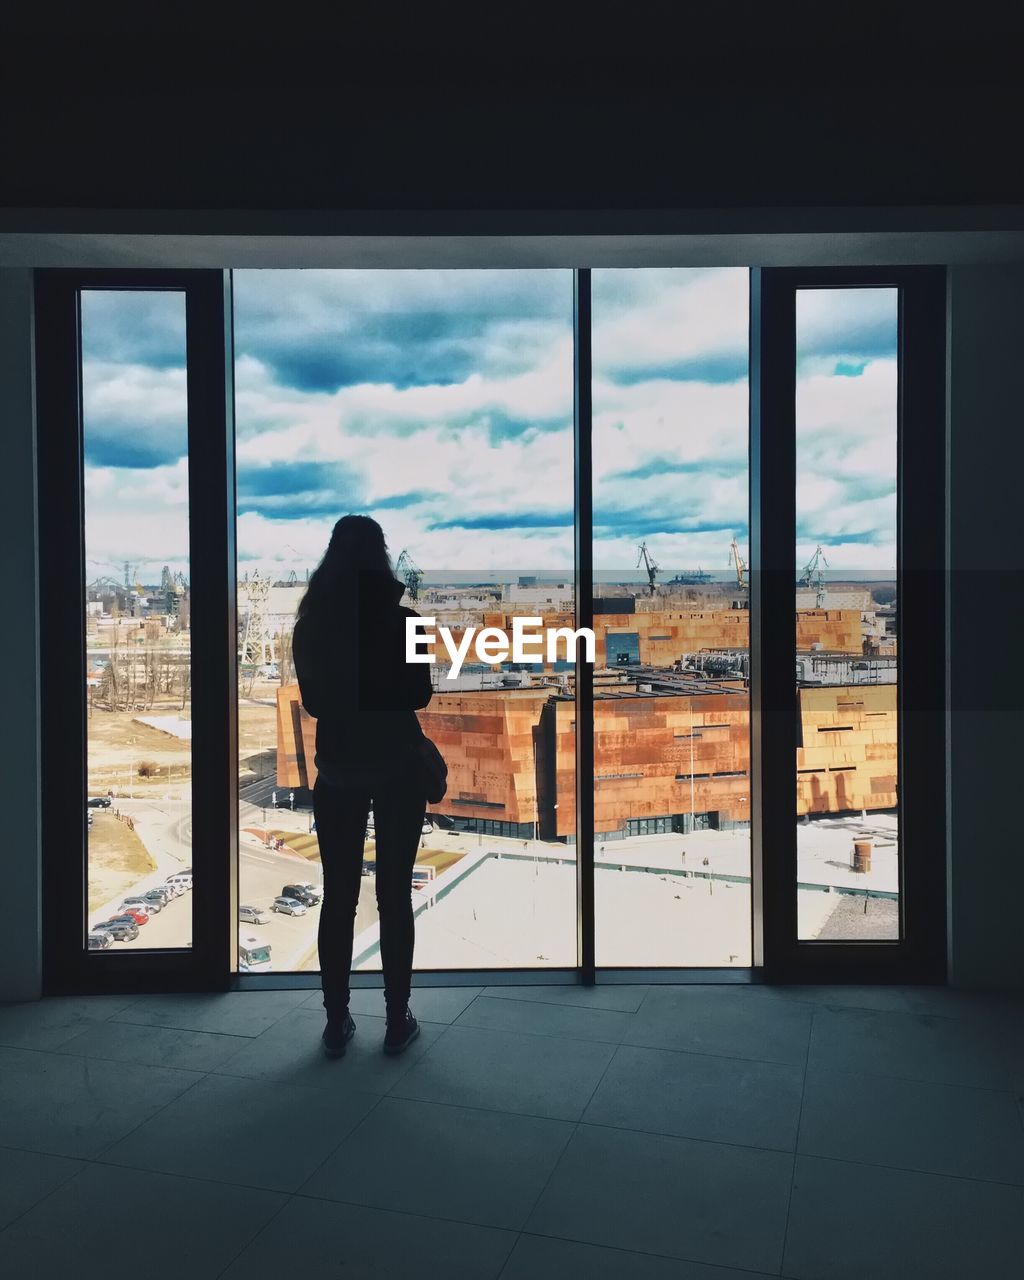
665	759
659	637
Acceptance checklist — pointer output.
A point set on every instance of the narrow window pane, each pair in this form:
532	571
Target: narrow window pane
846	601
671	714
137	677
440	403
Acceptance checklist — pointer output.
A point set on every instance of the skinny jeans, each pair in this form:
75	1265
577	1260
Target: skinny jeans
341	813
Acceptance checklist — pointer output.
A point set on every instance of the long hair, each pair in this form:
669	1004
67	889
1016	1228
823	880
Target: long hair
356	563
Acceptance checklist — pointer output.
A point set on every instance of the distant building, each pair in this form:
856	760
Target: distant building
670	754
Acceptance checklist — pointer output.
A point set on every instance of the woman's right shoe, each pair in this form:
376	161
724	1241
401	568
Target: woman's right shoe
337	1034
401	1032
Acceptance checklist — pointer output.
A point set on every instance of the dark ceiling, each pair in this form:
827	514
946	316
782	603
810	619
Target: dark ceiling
655	107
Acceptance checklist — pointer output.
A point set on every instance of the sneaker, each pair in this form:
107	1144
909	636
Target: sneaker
402	1031
337	1034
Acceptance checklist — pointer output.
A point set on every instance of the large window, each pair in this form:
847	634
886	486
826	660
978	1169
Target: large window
846	601
137	679
441	404
734	477
671	710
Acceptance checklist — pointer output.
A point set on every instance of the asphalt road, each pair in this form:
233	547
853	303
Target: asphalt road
167	834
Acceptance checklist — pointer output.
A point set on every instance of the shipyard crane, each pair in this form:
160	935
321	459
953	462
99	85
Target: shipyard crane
740	563
647	561
411	574
813	576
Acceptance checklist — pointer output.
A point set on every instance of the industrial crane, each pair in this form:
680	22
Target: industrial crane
740	563
411	574
813	576
647	560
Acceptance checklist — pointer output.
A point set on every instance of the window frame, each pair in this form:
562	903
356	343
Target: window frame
920	953
208	964
211	962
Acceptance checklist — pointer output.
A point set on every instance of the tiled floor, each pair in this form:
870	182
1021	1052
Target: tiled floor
663	1133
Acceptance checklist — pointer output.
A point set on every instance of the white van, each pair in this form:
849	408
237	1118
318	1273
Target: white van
180	882
253	954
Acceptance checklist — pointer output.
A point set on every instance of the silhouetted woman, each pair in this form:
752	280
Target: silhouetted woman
349	653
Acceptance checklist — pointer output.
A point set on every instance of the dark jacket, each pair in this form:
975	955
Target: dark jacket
354	680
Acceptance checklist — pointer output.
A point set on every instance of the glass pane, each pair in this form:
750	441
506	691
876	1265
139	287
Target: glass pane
440	403
846	601
137	678
671	713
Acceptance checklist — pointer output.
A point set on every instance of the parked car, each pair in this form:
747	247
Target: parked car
100	940
121	927
175	887
184	878
137	912
316	889
98	802
149	905
289	906
308	897
159	894
253	915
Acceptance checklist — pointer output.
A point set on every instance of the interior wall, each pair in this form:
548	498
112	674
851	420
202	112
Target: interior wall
985	626
21	959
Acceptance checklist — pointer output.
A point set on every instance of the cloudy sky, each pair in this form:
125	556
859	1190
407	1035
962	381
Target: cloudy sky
440	402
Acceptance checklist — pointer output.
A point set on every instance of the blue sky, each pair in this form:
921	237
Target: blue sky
441	403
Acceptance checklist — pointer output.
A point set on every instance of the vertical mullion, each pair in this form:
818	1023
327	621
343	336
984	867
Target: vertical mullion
772	617
584	567
921	595
61	532
213	626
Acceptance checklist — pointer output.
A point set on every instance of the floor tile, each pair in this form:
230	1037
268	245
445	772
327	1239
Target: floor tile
28	1176
912	1046
854	1221
45	1024
291	1052
694	1095
892	999
72	1106
109	1221
532	1075
538	1018
951	1002
158	1046
936	1128
237	1013
321	1240
735	1022
545	1258
702	1201
486	1167
609	996
429	1004
245	1131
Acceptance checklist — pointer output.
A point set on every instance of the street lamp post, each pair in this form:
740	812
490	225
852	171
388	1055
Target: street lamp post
693	816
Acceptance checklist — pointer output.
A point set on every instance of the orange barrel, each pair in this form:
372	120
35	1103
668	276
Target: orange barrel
862	855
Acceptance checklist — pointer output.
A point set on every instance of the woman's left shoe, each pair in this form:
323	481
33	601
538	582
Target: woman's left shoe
337	1034
401	1031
